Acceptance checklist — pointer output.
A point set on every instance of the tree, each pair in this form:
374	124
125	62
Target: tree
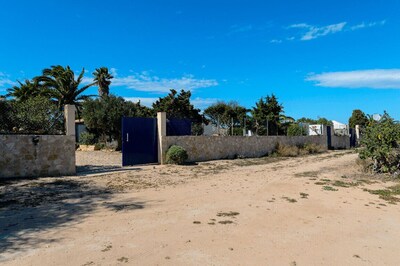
177	105
227	115
358	117
296	130
34	115
26	90
319	121
102	79
266	116
103	116
380	143
65	89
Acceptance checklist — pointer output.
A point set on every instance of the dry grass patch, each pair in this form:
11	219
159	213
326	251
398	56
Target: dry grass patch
387	194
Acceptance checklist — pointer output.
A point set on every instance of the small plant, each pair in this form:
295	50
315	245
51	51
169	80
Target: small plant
87	138
176	155
224	214
293	151
329	188
99	146
312	148
387	194
225	222
289	199
339	183
304	195
287	151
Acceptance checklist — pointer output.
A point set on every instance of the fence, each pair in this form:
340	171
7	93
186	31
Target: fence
33	116
203	148
40	150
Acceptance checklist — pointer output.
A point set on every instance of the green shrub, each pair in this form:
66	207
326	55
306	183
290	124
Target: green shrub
87	138
99	146
296	130
380	144
176	155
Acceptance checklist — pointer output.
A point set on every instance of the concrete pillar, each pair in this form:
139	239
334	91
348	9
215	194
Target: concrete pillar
69	115
357	130
162	133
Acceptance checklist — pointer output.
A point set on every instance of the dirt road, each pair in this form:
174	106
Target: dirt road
314	210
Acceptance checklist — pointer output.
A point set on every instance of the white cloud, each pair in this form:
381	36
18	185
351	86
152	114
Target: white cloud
143	100
308	32
275	41
145	82
142	82
6	82
374	79
200	103
313	32
203	103
240	28
368	25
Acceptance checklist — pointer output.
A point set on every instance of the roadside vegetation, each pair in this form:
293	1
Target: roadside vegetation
380	151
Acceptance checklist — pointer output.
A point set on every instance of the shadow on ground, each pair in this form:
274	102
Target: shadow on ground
31	206
84	170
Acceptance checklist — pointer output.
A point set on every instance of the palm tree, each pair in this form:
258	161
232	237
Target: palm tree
63	85
103	80
25	90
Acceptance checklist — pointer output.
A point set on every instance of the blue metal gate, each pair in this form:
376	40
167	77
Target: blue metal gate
329	137
352	138
139	141
179	127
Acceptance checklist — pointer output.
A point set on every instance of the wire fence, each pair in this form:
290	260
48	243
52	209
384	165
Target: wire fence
34	116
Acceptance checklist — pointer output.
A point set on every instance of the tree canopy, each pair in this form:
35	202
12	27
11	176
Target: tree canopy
222	113
63	86
358	117
178	105
103	116
319	121
266	115
102	79
380	143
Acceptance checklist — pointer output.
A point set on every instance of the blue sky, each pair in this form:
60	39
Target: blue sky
320	58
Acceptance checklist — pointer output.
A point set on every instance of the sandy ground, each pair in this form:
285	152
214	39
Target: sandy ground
269	211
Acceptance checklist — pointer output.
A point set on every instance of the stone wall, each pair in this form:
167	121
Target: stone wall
52	155
204	148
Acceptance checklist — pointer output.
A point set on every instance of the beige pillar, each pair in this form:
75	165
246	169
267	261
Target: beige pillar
162	133
69	115
357	132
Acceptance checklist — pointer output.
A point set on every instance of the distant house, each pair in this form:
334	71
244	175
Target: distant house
340	129
314	130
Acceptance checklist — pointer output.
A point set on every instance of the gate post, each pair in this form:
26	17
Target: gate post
162	133
69	115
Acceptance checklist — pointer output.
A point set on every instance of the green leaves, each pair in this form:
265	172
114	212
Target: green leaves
62	86
102	78
223	113
380	142
34	115
267	115
178	105
358	118
103	116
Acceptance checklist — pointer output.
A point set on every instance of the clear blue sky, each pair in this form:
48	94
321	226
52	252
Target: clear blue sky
320	58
